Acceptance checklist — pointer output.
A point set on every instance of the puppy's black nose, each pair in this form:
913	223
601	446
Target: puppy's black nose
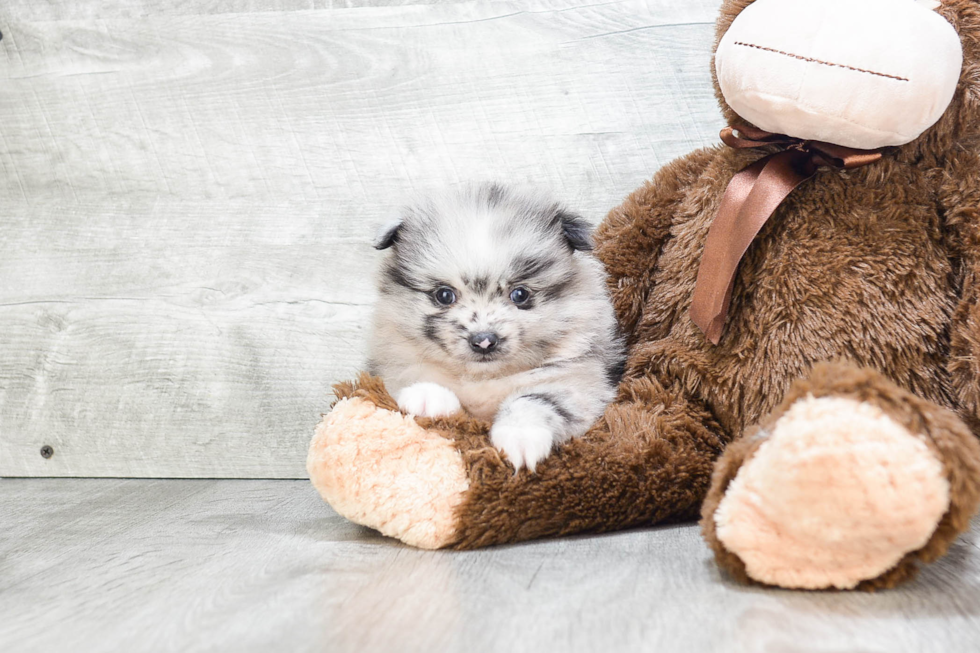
484	342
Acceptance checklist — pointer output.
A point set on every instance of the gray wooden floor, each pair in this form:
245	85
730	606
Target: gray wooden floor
263	565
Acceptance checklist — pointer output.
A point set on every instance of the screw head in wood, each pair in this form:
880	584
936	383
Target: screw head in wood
47	451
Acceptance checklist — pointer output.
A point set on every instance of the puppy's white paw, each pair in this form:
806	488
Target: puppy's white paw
428	400
524	444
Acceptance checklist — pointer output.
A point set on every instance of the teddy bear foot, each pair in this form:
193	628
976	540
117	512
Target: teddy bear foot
379	468
841	489
837	494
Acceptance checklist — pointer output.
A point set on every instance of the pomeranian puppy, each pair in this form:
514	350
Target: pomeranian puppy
491	300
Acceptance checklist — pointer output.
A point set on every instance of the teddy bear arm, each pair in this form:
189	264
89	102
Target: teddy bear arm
629	240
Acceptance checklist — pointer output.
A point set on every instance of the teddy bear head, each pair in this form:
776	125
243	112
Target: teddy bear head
860	73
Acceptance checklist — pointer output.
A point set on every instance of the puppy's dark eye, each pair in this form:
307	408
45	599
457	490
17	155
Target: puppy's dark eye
520	295
445	295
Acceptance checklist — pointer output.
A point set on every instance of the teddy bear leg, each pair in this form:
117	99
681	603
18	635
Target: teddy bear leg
849	482
439	483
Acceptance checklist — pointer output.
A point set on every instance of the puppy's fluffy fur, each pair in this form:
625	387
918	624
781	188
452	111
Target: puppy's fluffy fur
491	300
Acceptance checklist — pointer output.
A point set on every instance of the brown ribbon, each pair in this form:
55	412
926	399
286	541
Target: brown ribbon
751	198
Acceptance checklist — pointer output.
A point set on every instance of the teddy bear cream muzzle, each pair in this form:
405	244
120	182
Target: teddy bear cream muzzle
840	71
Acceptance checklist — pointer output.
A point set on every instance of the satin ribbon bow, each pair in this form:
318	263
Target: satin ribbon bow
751	198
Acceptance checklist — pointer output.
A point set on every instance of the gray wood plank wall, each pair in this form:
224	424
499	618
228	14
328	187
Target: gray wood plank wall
189	190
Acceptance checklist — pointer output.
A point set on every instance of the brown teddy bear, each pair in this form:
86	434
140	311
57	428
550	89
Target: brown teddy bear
802	308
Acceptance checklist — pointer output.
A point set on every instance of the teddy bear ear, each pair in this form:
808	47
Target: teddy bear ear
388	233
576	230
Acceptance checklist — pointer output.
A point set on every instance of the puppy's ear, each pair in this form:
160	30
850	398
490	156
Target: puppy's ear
576	230
388	233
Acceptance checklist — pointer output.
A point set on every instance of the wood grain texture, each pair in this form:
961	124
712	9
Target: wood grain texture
190	189
229	565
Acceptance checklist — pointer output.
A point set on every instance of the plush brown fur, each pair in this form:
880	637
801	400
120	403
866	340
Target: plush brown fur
876	268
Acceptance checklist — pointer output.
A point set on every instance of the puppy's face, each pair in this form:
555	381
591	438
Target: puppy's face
482	282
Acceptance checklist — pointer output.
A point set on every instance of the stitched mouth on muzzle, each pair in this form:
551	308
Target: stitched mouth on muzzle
823	63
